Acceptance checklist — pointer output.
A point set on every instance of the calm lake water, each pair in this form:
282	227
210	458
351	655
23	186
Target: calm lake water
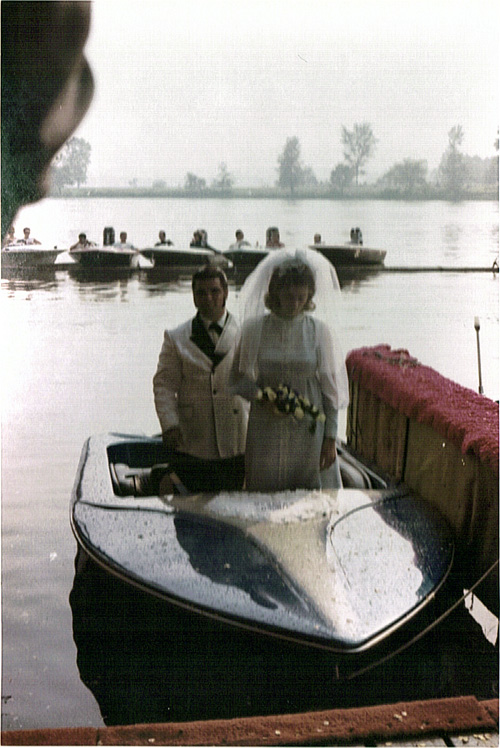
80	353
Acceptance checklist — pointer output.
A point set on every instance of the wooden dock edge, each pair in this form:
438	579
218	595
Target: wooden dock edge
437	718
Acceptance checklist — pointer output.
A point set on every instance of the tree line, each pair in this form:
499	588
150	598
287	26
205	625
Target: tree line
457	176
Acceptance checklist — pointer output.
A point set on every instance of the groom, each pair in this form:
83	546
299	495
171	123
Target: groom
203	425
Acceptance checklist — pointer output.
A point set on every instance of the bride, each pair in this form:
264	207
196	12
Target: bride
289	364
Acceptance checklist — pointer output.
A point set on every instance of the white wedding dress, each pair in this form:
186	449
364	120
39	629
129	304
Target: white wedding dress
281	452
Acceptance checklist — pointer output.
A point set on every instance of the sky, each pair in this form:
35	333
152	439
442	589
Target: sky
184	85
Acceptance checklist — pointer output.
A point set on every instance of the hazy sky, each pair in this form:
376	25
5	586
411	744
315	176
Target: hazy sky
182	85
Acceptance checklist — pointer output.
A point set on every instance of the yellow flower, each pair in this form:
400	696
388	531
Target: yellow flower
321	418
299	413
259	394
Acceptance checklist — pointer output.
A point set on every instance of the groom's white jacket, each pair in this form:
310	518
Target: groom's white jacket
191	390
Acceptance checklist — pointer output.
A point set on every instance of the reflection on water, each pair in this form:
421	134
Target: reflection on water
29	279
224	556
452	234
154	280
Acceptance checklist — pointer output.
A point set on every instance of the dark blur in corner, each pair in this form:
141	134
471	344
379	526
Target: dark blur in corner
47	87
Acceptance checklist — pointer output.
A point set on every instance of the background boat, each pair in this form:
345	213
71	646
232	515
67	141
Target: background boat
105	256
185	259
246	258
23	256
351	254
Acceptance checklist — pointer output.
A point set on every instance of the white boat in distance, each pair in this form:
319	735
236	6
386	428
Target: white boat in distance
29	256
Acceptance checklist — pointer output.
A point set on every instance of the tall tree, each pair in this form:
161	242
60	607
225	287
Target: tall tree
409	176
341	177
290	169
452	169
71	164
194	184
359	144
223	183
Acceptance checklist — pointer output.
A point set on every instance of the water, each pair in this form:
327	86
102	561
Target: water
79	358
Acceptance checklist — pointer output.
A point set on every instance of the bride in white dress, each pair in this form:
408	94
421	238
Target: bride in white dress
289	308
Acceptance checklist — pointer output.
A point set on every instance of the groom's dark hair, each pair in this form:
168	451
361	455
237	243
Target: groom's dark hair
206	273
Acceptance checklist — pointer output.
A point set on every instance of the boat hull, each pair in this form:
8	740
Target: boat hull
29	257
241	559
183	259
246	259
94	257
351	254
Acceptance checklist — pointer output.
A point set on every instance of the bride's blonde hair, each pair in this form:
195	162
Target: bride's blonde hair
290	273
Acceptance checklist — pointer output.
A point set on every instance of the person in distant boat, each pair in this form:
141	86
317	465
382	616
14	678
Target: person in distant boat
10	237
123	243
203	425
163	240
356	236
273	238
28	239
240	240
317	239
196	240
82	242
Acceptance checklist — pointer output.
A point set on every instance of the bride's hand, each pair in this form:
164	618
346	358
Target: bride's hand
328	453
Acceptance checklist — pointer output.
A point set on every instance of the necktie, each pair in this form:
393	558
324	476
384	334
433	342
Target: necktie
215	327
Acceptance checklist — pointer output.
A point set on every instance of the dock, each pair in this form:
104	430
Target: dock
461	721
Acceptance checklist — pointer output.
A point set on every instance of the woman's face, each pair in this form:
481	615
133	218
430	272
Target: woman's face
292	300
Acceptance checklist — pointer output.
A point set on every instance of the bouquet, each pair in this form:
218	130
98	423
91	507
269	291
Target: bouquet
288	402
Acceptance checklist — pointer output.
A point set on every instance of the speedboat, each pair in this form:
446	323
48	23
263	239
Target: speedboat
246	257
28	256
186	259
336	570
106	256
351	254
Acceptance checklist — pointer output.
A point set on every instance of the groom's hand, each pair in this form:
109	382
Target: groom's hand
328	453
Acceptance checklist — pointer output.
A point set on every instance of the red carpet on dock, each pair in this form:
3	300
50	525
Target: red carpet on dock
459	414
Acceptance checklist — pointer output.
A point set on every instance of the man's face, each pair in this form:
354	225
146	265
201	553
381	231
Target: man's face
210	298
